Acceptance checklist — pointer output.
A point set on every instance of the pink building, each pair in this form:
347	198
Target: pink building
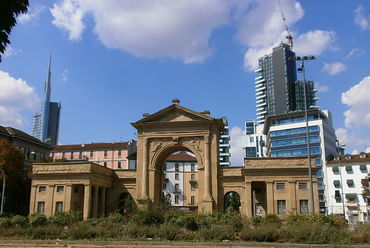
111	155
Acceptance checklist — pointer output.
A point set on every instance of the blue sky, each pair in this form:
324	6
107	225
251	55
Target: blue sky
115	60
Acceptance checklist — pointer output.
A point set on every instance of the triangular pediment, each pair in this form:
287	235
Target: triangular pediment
175	113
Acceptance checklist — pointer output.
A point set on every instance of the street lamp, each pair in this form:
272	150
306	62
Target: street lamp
339	147
302	69
3	193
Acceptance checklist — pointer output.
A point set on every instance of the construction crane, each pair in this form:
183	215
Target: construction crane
288	36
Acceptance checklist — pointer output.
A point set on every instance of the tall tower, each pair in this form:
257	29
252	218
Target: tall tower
277	88
46	123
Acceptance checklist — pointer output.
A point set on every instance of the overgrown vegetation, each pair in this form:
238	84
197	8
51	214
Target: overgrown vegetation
156	223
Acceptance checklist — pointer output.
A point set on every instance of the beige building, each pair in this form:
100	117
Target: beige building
267	185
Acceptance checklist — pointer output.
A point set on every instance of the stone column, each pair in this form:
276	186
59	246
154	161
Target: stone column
315	196
68	198
96	201
50	201
270	197
144	190
102	201
33	199
87	201
292	196
248	199
207	171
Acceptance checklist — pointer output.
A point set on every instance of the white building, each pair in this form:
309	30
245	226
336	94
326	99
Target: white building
254	140
224	145
348	176
286	137
180	180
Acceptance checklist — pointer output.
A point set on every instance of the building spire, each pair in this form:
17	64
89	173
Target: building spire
47	89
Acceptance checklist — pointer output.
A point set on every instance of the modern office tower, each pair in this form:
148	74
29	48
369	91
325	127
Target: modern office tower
180	184
348	182
113	155
254	140
277	88
286	137
224	145
46	123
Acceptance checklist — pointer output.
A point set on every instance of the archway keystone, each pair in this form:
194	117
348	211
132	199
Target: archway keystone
172	129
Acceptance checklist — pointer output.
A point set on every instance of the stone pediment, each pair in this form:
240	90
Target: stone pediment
174	113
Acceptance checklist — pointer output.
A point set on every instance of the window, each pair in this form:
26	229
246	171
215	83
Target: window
303	204
251	139
192	200
52	154
336	183
349	168
350	183
119	153
194	186
177	167
351	197
192	177
177	176
58	207
42	188
105	164
302	185
71	155
60	188
335	169
91	154
63	154
176	199
363	168
105	153
281	207
176	187
119	164
337	196
192	167
80	155
40	207
280	185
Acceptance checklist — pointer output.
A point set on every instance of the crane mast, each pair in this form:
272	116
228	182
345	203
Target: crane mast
288	36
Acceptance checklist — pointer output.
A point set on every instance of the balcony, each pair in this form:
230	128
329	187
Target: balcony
260	81
258	70
225	154
224	145
259	89
258	78
261	104
260	96
225	136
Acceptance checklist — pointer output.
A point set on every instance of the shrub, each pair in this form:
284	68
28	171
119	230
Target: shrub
255	220
269	232
361	233
217	233
133	230
38	220
168	231
66	218
19	220
272	218
47	232
5	222
82	230
148	217
187	221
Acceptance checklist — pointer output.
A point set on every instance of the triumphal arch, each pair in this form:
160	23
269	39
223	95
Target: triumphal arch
172	129
261	185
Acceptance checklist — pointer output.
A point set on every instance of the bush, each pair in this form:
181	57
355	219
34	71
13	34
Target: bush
255	220
148	217
135	231
361	234
66	218
47	232
217	233
19	220
272	218
38	220
5	222
270	232
168	231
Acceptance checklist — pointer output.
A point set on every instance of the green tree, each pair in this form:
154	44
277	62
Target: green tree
17	184
9	10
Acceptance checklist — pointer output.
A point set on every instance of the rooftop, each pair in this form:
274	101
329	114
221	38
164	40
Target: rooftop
92	146
350	159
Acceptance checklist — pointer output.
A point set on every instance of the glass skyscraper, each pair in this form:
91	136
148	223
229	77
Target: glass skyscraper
46	123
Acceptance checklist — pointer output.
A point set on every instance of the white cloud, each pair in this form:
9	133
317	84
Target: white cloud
355	52
65	75
353	138
262	28
361	18
357	99
237	139
10	51
15	96
68	16
334	68
32	14
164	28
314	42
322	88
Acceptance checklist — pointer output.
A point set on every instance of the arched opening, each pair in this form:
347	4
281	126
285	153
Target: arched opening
232	202
178	177
125	203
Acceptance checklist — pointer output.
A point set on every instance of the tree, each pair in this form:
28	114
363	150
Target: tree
17	184
9	10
